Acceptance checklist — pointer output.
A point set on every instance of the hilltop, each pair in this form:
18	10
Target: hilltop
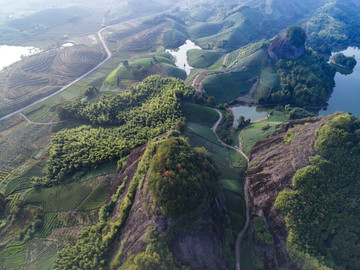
298	178
290	45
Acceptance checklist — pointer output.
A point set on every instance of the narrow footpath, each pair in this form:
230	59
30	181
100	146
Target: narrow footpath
246	192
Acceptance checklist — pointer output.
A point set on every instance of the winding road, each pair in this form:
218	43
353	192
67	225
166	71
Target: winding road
246	193
87	73
70	84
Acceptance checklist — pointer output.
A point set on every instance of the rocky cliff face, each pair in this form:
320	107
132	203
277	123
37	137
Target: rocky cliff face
274	162
196	239
281	48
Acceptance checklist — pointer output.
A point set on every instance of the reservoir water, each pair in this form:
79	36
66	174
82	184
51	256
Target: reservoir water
12	54
346	94
180	55
253	113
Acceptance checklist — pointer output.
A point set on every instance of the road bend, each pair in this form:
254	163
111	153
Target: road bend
246	192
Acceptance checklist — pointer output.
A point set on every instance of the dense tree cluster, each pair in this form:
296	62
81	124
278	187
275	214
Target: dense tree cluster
322	212
157	255
94	243
143	104
181	178
147	110
334	25
296	35
306	81
2	202
341	59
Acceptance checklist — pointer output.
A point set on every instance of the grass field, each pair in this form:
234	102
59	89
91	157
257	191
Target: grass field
201	58
159	63
250	135
50	222
243	52
61	198
228	86
232	164
17	184
14	254
248	259
204	30
103	169
95	200
173	38
40	255
200	114
3	175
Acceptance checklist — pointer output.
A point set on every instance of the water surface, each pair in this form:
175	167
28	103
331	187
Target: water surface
253	113
346	93
180	55
12	54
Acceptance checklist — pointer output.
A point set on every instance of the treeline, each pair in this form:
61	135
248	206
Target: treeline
334	25
95	243
322	212
306	81
146	111
144	100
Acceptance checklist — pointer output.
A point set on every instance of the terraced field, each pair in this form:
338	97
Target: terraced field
21	143
44	73
145	40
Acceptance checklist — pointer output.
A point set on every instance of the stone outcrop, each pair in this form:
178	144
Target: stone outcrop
274	163
281	48
196	239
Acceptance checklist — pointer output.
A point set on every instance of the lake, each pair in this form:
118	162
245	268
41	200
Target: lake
12	54
180	55
346	94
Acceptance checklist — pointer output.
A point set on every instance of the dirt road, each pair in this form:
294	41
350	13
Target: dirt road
246	193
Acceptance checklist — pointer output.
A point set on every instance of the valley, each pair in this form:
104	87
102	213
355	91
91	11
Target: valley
179	135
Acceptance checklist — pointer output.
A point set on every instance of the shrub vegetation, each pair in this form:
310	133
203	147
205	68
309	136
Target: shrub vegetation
322	212
181	178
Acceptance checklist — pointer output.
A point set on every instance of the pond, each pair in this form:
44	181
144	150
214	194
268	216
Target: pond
253	113
346	94
12	54
180	55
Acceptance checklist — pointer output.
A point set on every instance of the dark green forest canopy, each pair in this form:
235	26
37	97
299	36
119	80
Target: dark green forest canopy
341	59
95	243
182	178
296	35
334	25
146	111
322	212
306	81
146	97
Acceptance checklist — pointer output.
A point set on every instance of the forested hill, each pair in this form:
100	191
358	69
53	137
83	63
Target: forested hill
316	196
171	192
147	110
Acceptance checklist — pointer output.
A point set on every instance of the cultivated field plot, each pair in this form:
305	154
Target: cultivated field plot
228	86
146	40
60	198
44	73
40	255
20	144
250	135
